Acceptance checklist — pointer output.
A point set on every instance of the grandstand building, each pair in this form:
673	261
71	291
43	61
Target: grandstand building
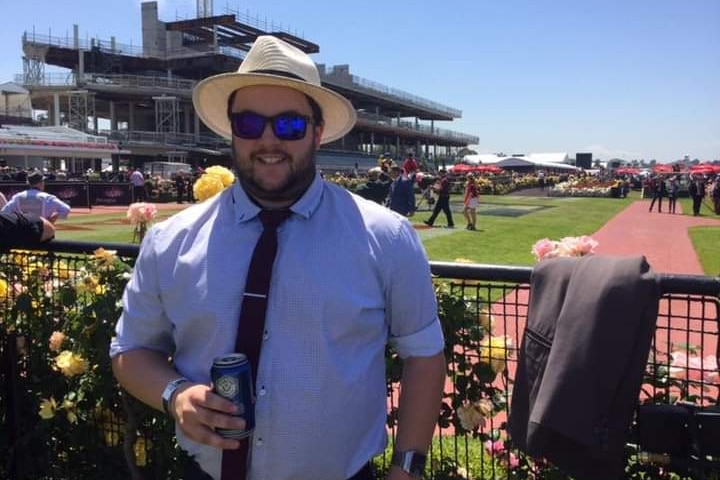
139	97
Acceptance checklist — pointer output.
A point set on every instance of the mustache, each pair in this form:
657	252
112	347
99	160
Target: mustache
273	151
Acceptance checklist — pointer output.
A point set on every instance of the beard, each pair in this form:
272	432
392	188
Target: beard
300	174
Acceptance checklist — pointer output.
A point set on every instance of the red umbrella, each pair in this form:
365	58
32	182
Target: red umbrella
705	168
627	171
491	169
462	168
663	168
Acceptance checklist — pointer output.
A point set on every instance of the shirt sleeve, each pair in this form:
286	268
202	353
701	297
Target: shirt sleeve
57	205
143	323
415	329
11	205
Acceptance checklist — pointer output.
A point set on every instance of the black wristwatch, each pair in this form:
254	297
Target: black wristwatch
410	462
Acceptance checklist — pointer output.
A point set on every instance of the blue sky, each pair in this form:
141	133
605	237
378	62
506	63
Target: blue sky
628	78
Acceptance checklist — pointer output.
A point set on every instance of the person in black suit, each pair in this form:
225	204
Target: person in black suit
24	230
697	192
659	191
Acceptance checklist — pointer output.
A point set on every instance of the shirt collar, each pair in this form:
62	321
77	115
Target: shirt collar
245	209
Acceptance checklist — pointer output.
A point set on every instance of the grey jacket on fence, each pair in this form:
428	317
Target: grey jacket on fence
581	362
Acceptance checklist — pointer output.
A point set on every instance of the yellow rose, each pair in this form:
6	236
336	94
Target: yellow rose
56	341
47	408
69	408
494	351
486	320
35	269
105	258
88	283
141	447
61	270
3	288
226	176
71	417
207	186
71	364
112	437
470	417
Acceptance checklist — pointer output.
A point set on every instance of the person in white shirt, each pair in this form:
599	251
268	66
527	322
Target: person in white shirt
36	201
138	182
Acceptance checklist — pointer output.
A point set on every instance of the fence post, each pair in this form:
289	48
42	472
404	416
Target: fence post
10	376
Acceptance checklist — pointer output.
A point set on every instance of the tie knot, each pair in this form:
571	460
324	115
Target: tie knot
273	218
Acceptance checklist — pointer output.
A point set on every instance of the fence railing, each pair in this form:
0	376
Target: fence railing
65	418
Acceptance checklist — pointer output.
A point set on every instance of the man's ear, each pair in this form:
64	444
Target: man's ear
318	135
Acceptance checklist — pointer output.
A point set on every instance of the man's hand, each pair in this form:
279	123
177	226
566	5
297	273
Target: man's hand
396	473
48	231
53	217
198	411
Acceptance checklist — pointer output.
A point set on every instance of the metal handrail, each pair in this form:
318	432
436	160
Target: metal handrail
426	129
108	46
334	76
669	283
165	137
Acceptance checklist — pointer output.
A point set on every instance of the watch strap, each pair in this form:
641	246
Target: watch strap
169	391
410	462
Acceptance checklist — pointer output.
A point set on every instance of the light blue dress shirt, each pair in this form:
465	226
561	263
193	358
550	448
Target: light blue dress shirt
350	276
38	202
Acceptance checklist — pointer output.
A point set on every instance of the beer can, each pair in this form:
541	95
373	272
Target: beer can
232	379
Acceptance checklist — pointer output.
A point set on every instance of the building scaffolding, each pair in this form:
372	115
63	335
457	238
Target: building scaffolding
167	114
81	108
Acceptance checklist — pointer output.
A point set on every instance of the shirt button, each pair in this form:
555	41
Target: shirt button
262	391
266	335
259	442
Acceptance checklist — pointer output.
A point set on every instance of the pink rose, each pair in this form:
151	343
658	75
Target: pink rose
543	248
497	447
586	245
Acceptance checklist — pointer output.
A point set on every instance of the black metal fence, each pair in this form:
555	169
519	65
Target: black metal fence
61	415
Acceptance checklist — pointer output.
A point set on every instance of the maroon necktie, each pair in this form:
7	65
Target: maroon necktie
252	322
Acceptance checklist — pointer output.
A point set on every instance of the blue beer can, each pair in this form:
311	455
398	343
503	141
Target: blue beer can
232	379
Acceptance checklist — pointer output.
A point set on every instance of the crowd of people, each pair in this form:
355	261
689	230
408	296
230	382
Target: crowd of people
701	188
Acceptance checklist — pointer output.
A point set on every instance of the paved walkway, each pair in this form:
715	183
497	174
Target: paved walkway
662	237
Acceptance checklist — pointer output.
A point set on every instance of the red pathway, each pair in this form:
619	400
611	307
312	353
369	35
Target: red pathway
662	237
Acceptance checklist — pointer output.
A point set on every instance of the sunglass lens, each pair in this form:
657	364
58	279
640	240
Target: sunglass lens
290	127
248	125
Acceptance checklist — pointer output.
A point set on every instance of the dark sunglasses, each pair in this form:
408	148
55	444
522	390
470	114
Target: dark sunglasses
285	126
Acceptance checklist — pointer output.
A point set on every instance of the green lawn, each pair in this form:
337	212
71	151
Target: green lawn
707	245
508	227
109	227
504	239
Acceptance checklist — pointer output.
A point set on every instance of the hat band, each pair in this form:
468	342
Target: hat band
279	73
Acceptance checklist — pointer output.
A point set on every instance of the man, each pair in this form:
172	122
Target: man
696	189
349	277
180	184
659	191
138	183
36	201
442	189
410	165
401	197
20	230
374	189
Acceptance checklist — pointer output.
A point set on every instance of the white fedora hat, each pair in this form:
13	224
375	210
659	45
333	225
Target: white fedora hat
272	61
